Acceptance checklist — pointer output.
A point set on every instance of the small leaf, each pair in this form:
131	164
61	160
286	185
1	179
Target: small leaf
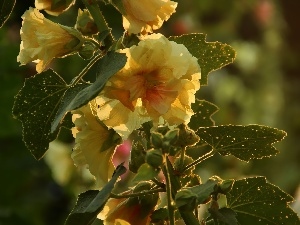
6	7
211	55
109	65
244	142
35	106
145	172
256	201
203	112
91	202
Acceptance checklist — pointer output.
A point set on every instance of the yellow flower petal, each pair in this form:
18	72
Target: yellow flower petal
43	40
143	16
158	83
47	6
89	137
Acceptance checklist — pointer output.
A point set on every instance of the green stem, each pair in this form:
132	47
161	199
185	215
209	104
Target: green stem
169	195
86	69
182	155
112	195
199	160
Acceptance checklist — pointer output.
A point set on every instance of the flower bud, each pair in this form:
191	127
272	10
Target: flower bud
186	161
171	136
154	157
87	50
187	137
85	23
156	139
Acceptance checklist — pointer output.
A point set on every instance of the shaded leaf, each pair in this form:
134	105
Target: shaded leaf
6	7
244	142
255	201
35	106
211	55
224	215
203	191
203	112
109	65
189	218
90	203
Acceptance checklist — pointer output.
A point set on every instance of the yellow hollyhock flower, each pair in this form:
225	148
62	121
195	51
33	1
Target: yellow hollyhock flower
47	5
158	83
90	136
43	40
143	16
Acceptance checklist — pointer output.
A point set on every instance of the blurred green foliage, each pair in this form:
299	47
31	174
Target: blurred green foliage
260	87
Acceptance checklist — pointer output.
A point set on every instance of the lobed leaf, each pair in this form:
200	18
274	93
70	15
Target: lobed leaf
211	55
35	106
91	202
203	112
6	7
255	201
77	97
244	142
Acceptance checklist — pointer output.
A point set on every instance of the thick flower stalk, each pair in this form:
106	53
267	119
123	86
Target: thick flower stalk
44	40
144	16
158	83
54	9
90	137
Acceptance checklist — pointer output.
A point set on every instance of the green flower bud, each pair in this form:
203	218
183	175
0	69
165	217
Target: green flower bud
186	200
171	136
154	157
87	50
186	161
187	137
156	139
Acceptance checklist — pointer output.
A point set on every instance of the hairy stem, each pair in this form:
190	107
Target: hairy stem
169	195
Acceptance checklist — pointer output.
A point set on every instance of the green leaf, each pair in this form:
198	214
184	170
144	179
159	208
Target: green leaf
74	98
256	201
91	202
225	215
145	172
203	191
189	218
35	106
211	55
6	7
203	113
244	142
